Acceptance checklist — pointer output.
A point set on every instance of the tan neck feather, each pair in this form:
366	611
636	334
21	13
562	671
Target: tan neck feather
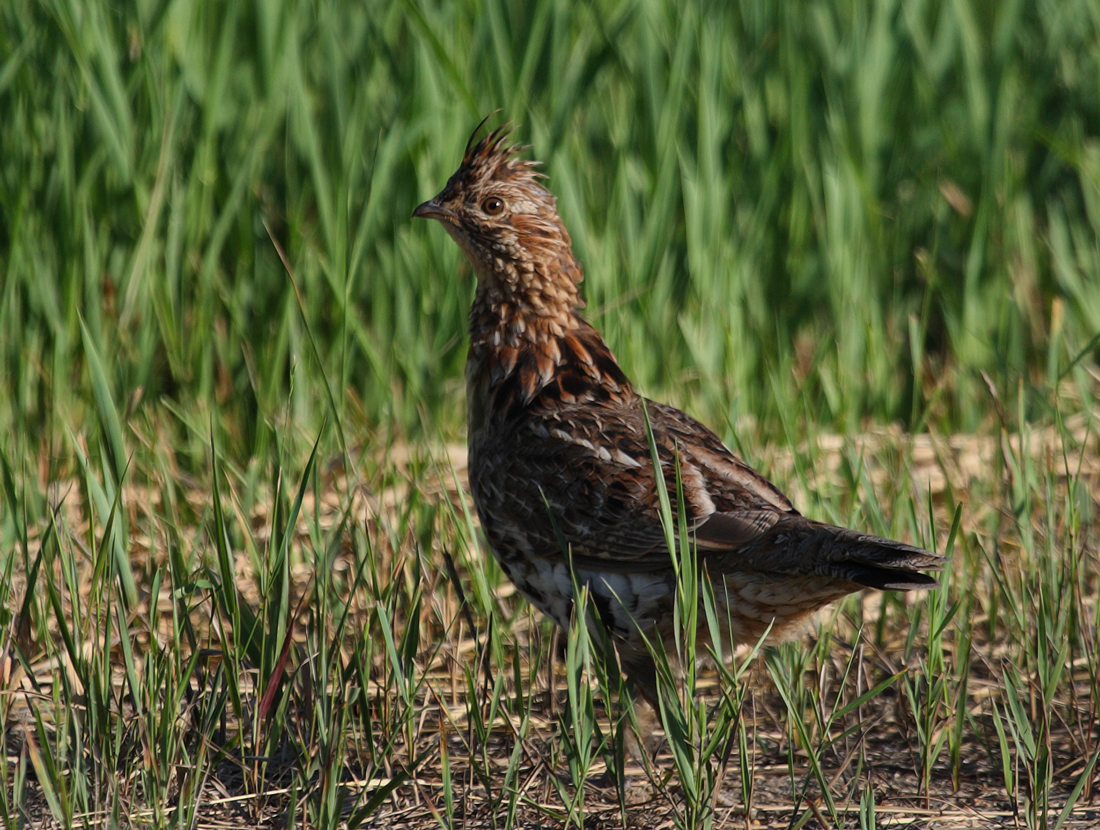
516	307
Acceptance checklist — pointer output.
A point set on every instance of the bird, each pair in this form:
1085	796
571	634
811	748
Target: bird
559	452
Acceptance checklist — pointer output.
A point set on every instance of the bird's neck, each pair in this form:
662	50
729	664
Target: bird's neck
518	308
521	353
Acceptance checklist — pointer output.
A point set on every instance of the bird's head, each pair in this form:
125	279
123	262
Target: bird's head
507	224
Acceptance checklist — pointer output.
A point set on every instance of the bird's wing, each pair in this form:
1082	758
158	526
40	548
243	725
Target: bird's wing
605	504
597	480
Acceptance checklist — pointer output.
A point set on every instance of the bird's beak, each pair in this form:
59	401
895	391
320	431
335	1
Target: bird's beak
431	209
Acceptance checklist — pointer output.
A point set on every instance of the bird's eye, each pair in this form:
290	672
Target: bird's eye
492	206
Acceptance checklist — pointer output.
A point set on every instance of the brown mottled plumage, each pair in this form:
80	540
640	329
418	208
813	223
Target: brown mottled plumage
555	423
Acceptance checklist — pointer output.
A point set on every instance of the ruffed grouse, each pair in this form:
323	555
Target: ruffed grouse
558	449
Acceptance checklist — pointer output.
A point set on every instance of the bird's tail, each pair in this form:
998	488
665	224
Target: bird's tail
876	562
815	549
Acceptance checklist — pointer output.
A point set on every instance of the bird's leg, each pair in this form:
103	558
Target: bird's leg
644	742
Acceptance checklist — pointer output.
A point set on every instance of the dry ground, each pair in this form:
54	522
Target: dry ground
878	745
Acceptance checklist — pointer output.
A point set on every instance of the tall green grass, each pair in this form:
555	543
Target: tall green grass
866	203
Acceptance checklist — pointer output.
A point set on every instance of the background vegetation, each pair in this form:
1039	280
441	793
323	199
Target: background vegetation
794	219
856	205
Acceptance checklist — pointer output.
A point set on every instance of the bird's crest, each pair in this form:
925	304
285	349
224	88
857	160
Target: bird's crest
492	158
